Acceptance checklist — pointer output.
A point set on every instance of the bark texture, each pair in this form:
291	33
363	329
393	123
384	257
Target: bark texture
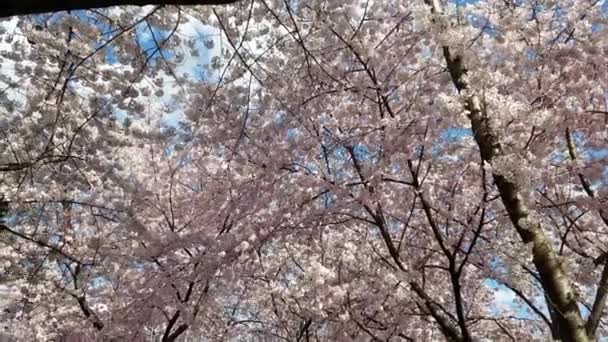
559	290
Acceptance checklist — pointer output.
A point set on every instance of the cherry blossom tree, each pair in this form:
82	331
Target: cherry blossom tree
329	171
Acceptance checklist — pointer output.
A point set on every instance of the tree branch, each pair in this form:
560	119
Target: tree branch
448	330
553	278
601	296
599	303
84	306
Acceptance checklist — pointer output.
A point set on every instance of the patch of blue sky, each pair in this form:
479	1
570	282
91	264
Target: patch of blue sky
54	239
294	5
447	137
194	64
11	219
98	281
34	211
587	152
120	115
105	30
173	112
65	270
394	224
596	153
140	266
496	263
362	153
340	154
292	133
503	296
454	134
463	2
279	117
206	45
106	33
328	200
150	39
507	299
178	136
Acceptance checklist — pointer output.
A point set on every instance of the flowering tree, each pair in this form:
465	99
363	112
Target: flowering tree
367	170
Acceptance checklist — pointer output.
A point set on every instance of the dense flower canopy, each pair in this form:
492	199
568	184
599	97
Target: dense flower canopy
306	170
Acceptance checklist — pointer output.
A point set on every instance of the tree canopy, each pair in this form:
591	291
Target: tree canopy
354	170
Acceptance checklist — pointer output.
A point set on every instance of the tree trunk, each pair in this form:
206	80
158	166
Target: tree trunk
557	286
